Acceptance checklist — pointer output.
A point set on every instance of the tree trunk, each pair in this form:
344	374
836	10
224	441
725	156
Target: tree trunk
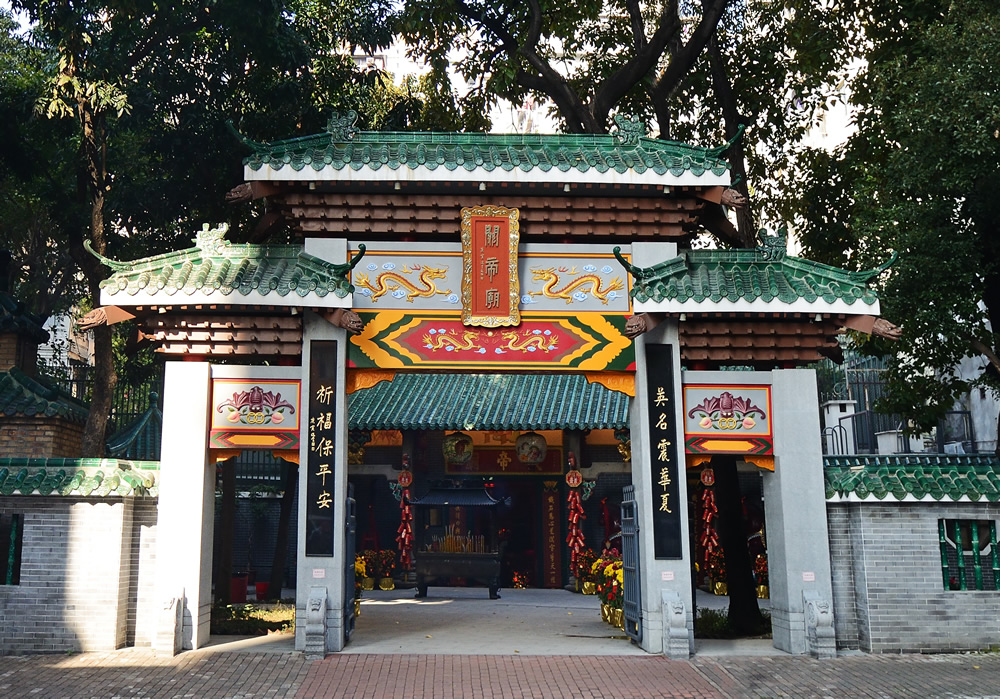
92	151
284	521
744	613
227	522
737	159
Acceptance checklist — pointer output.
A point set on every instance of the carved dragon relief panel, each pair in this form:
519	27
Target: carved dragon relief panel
568	283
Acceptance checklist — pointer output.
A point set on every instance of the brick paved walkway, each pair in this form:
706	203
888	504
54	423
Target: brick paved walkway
209	674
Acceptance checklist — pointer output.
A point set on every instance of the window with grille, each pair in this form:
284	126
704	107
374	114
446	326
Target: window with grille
969	559
11	532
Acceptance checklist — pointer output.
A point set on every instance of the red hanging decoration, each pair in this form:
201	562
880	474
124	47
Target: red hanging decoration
574	540
709	536
404	536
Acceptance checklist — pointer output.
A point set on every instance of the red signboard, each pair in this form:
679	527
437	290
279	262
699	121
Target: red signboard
552	548
496	462
490	286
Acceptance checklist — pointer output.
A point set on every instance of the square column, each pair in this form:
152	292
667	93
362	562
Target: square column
798	543
665	584
320	578
185	523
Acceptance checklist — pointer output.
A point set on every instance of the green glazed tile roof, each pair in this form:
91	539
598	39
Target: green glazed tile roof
921	476
79	477
217	266
15	318
341	147
697	276
23	396
487	402
141	438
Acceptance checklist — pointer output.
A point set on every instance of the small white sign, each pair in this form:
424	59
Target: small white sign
667	575
319	573
808	576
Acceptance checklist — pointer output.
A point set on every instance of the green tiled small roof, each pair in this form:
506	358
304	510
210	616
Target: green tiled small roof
23	396
217	266
487	402
79	477
15	318
342	147
921	476
141	438
696	276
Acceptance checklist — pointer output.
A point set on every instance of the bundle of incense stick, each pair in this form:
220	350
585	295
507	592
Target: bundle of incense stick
456	543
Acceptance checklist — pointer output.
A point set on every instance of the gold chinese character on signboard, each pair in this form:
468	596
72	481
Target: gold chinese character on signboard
661	396
661	422
323	472
324	394
324	500
662	447
491	267
324	447
665	503
493	298
492	235
664	478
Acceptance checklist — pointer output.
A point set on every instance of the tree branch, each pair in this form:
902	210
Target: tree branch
638	28
548	80
737	158
685	57
635	69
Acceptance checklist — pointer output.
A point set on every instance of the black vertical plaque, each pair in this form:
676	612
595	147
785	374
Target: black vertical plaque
320	490
665	490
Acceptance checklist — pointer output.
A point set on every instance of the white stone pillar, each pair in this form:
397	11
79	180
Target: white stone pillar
798	544
315	573
185	523
657	577
839	431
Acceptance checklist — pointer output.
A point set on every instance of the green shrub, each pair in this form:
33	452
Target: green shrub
252	620
714	623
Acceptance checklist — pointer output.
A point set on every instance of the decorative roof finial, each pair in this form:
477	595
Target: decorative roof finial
630	130
213	239
867	275
773	247
719	151
341	128
107	262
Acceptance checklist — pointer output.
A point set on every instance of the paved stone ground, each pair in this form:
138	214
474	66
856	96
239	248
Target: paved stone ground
216	673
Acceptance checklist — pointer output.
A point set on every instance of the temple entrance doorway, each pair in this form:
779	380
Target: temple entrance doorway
722	612
540	607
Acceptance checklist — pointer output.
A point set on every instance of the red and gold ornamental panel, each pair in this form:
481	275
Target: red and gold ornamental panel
255	414
732	419
490	287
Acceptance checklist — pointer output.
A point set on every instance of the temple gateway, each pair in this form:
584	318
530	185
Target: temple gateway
491	353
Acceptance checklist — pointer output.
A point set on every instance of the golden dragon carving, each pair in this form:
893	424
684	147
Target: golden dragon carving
550	278
521	343
466	342
391	281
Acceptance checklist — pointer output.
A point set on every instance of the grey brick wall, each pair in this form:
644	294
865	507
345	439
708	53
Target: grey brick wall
77	566
142	602
888	590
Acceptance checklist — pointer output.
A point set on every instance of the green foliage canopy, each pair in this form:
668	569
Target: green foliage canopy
918	177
